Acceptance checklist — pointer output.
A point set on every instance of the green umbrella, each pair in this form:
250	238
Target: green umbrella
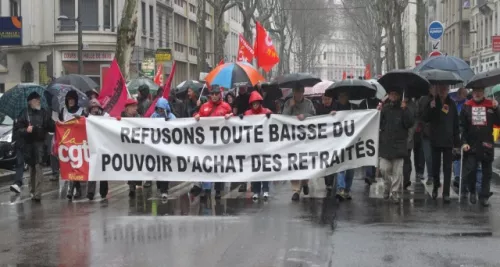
133	85
493	90
14	101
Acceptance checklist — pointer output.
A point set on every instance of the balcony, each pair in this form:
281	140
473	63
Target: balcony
165	3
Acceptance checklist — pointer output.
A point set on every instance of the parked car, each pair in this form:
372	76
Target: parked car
8	155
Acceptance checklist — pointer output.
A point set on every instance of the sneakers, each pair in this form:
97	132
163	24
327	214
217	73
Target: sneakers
341	195
265	195
164	196
255	196
15	188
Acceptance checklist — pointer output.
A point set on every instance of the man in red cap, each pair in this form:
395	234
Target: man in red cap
130	112
215	107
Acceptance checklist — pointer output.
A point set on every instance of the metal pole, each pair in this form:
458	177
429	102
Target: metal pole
460	30
80	38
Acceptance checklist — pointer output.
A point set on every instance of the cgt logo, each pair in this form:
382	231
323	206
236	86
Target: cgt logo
72	152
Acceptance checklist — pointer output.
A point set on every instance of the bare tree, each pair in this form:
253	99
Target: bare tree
312	22
420	20
399	7
248	10
220	33
201	16
125	40
279	28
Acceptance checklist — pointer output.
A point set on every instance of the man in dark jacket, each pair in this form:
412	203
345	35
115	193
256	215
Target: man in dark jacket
370	171
412	107
477	118
130	111
177	106
395	121
441	113
33	126
193	102
424	128
143	99
327	107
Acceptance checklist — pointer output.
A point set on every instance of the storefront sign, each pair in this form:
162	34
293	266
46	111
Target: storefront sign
495	43
163	55
11	31
88	56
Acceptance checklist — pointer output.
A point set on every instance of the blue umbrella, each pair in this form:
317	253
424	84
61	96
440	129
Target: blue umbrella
14	101
56	96
448	63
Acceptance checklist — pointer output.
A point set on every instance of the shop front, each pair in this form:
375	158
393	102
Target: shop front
95	63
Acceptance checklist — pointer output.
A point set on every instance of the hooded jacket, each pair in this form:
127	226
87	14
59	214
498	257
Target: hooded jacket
68	113
163	104
255	96
476	121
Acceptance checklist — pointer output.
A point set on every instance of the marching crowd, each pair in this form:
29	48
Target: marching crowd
434	128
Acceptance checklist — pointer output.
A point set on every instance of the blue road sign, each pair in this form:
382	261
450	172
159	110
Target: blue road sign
436	30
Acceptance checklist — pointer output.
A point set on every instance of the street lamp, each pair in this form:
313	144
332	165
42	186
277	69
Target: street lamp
80	38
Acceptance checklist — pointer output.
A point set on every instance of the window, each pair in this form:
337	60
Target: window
90	15
15	7
179	2
192	8
179	48
160	30
167	32
143	18
108	16
193	34
209	17
43	77
193	51
67	8
27	75
180	29
151	22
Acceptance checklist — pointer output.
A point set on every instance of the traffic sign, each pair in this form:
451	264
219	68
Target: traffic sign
418	60
435	30
435	53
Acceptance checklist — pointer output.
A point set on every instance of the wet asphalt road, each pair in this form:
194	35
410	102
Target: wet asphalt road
237	231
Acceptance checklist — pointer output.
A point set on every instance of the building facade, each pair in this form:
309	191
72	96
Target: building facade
50	44
484	35
451	21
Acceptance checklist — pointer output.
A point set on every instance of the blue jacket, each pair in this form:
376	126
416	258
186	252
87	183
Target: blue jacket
163	104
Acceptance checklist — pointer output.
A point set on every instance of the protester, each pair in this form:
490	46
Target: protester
18	140
194	101
177	105
412	108
441	113
300	107
70	111
95	109
370	171
130	111
327	107
32	126
241	102
418	151
395	121
256	108
92	94
425	128
162	110
477	119
230	99
143	99
215	107
460	100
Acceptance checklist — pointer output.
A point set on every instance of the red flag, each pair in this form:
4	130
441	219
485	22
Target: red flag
114	92
368	74
265	52
221	62
344	75
165	92
159	75
245	51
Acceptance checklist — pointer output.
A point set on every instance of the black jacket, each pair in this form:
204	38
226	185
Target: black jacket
178	107
444	129
348	106
323	110
394	125
34	142
477	133
423	126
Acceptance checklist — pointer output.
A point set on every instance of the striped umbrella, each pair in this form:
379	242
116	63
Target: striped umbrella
230	75
14	101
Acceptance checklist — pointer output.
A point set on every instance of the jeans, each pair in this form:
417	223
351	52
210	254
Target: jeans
426	147
470	174
370	171
407	167
18	178
344	180
456	173
436	163
258	186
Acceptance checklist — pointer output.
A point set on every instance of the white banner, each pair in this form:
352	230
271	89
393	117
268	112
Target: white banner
255	148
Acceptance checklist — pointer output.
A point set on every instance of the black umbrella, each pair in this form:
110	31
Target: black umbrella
405	82
185	85
296	80
441	77
56	96
81	82
484	79
357	89
272	90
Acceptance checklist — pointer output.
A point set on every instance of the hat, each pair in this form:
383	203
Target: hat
131	101
215	89
91	92
254	96
33	95
94	103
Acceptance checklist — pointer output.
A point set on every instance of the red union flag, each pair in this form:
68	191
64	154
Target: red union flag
72	150
245	51
265	52
114	92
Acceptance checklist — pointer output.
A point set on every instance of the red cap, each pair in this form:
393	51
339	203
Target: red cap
131	101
